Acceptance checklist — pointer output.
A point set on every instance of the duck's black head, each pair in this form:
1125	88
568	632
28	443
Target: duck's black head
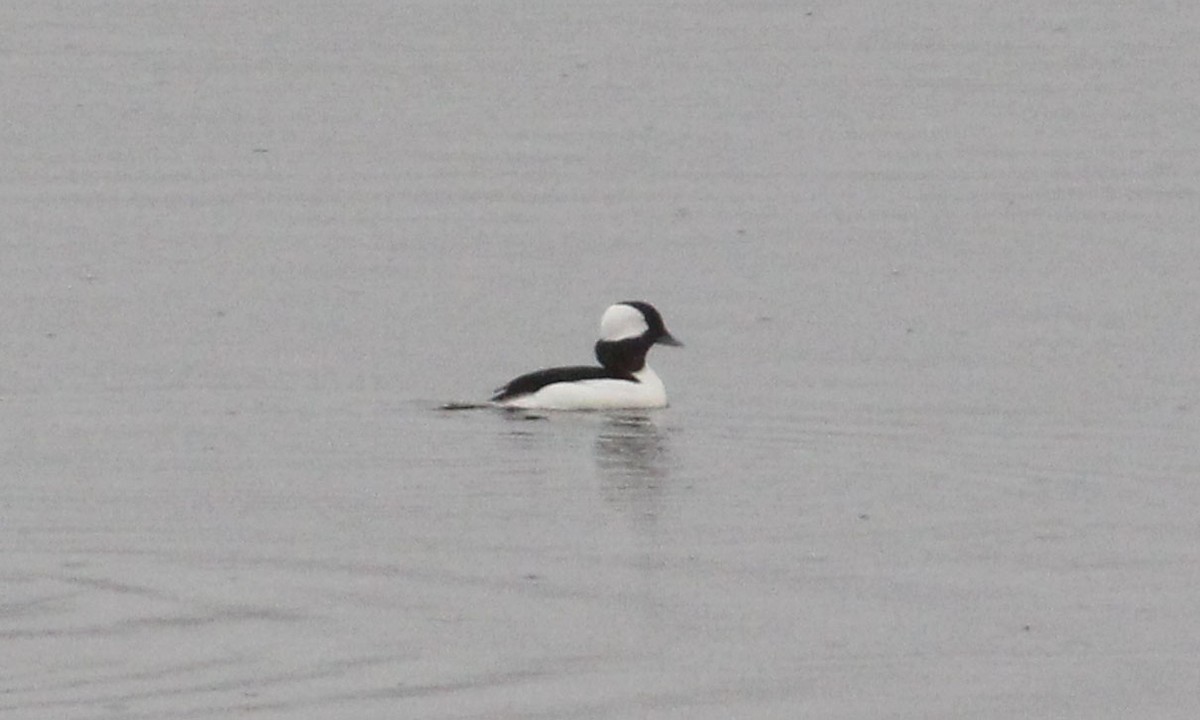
627	332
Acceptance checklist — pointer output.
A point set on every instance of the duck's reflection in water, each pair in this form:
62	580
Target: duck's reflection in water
633	459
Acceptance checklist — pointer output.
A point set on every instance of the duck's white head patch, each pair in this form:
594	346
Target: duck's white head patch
621	322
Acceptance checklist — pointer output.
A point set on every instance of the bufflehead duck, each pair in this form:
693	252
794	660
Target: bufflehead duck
623	380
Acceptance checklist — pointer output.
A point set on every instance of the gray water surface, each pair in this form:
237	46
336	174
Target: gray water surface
932	443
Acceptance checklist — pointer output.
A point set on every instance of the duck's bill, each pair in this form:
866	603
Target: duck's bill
669	339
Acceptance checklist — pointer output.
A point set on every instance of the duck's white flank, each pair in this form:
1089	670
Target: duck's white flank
604	394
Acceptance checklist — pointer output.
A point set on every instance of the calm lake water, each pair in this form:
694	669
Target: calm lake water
932	443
